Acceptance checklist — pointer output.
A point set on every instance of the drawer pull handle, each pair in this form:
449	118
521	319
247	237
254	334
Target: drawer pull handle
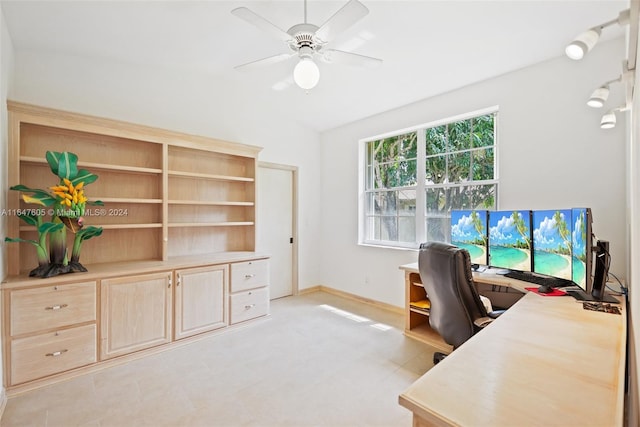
249	307
249	276
56	307
56	353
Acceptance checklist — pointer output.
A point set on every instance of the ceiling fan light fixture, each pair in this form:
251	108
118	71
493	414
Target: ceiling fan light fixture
306	74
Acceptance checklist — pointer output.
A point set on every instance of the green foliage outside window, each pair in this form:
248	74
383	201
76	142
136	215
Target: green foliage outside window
459	173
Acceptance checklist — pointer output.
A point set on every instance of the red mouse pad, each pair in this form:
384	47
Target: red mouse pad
554	293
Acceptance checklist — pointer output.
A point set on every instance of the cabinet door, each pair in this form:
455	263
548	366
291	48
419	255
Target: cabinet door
136	313
201	303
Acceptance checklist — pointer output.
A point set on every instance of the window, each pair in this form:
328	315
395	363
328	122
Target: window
412	179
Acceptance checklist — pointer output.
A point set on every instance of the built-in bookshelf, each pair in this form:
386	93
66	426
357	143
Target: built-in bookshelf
165	194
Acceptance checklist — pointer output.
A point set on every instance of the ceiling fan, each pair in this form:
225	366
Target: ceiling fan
307	41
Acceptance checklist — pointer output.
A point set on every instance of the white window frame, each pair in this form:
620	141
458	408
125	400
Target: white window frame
421	186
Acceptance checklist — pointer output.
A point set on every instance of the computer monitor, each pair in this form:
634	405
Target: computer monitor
510	240
552	243
469	231
581	247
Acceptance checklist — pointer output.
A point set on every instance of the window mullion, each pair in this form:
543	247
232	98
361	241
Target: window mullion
421	178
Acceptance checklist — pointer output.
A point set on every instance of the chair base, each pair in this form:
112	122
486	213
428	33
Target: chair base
438	357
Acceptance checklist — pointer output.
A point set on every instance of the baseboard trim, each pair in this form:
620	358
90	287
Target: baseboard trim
354	297
310	290
3	401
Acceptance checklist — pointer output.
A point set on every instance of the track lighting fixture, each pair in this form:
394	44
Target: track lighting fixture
584	42
608	120
600	95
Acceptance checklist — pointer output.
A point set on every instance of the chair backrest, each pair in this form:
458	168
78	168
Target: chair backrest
445	271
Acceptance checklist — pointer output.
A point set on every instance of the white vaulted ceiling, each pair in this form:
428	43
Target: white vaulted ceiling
429	47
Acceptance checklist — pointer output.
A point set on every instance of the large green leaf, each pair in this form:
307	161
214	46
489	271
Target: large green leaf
50	227
53	158
30	219
26	189
37	196
43	199
68	165
89	232
19	240
84	176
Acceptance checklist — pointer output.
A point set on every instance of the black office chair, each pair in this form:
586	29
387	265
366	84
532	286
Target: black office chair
457	312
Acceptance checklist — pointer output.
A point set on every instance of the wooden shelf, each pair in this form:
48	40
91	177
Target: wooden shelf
121	200
183	174
99	166
427	335
106	226
419	311
209	203
211	224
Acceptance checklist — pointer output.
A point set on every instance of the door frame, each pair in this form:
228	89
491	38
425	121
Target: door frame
294	216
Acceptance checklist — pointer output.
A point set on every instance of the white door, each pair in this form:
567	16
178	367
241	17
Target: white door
275	215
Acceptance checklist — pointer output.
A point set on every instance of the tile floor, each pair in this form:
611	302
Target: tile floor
318	360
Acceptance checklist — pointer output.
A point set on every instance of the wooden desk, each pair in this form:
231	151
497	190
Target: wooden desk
417	321
546	361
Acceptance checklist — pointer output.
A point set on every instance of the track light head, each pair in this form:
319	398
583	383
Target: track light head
599	97
608	120
582	44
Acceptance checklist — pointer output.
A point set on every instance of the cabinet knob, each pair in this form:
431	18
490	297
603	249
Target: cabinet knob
56	353
249	307
56	307
249	276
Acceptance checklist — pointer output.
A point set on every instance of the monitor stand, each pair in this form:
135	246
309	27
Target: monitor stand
581	295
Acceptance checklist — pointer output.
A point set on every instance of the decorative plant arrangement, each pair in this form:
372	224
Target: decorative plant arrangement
65	205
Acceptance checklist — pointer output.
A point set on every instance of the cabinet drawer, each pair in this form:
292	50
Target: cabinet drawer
249	304
41	355
52	307
249	275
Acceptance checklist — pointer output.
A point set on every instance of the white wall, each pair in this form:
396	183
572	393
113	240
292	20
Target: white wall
6	77
551	154
633	203
182	102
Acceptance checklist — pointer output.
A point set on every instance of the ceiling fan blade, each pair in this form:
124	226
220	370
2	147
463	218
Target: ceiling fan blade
264	61
341	20
258	21
339	56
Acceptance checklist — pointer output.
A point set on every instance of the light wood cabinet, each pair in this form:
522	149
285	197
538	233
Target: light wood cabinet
136	313
178	208
49	329
416	316
201	300
249	290
52	352
49	307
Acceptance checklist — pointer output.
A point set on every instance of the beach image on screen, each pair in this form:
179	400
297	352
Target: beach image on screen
469	231
552	243
579	247
510	240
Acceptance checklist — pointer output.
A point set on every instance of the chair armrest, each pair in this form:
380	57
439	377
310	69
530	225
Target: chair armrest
495	313
481	322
